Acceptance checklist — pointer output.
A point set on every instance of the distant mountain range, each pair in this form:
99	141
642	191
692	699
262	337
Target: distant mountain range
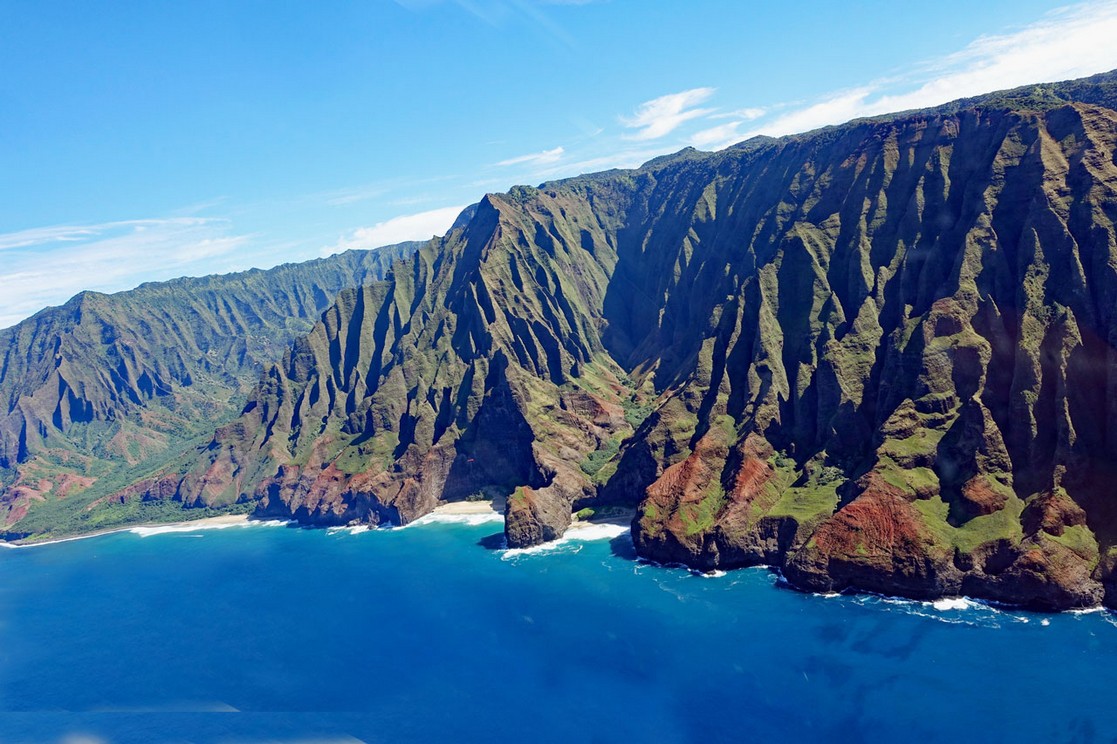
107	389
877	356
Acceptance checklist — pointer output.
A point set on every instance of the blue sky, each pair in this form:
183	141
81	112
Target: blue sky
144	141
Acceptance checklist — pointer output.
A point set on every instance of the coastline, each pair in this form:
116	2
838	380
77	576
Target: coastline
474	512
451	511
225	520
495	509
462	508
617	520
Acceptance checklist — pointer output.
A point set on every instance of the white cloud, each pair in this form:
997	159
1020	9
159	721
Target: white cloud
421	226
1068	43
745	114
661	116
632	158
834	109
536	158
717	137
39	236
48	265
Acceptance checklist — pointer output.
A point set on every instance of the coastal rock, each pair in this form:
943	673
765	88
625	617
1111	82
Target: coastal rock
877	356
532	518
867	375
878	542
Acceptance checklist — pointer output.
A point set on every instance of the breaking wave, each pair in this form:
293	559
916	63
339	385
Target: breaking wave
188	527
473	520
571	541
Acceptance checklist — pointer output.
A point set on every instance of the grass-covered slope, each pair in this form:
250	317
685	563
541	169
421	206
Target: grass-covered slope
877	356
107	389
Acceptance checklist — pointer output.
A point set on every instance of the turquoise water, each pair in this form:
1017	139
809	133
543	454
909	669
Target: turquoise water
429	633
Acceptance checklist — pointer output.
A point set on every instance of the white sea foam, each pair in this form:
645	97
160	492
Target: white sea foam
188	527
59	540
349	530
600	531
472	520
571	539
715	574
949	610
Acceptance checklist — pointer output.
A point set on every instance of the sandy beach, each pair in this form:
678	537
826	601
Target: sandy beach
469	507
620	518
468	511
227	520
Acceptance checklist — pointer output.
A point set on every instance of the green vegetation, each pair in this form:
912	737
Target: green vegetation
595	461
135	511
703	516
914	481
923	442
1003	524
1079	539
806	504
635	413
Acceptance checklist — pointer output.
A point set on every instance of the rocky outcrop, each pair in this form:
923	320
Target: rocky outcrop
876	356
927	329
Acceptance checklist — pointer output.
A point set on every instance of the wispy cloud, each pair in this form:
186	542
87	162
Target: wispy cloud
745	114
661	116
48	265
545	157
1070	42
420	226
623	158
834	109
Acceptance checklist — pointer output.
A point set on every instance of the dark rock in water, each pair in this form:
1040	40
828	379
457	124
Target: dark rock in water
531	518
877	356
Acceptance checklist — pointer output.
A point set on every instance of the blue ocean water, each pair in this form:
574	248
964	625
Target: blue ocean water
430	633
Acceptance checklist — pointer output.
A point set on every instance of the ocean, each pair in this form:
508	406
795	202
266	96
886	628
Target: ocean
433	632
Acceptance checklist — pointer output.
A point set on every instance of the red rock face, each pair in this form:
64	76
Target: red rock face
877	542
529	519
879	528
1053	513
982	498
858	354
684	503
18	499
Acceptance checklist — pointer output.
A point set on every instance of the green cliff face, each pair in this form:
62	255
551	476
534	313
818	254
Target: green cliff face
478	368
108	389
876	356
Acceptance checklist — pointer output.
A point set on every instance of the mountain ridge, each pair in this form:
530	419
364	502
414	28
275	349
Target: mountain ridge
875	356
101	385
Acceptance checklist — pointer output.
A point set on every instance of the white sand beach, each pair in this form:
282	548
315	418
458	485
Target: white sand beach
227	520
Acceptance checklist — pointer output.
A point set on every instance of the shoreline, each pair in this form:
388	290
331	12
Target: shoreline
478	509
618	520
225	520
463	508
489	509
